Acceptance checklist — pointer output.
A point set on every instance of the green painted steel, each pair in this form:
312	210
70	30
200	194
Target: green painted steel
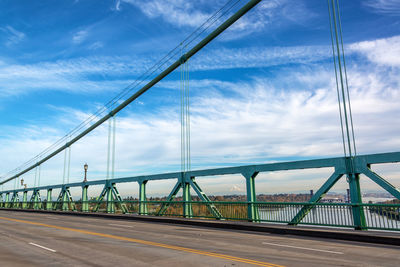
211	207
355	214
25	199
316	198
7	201
381	182
49	199
110	203
252	212
142	198
85	204
64	200
362	161
36	200
170	198
14	200
355	196
187	198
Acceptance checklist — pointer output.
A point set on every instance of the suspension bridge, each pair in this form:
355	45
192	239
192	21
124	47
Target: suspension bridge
352	215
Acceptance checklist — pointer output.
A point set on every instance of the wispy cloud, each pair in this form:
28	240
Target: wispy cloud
79	36
96	45
118	5
12	35
381	51
177	12
185	13
386	7
76	75
257	122
73	75
230	58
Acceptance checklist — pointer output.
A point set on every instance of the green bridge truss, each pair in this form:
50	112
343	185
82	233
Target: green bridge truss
110	197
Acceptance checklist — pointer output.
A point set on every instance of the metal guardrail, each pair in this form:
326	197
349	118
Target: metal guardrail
378	216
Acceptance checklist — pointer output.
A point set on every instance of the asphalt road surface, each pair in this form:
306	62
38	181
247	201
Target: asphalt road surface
36	239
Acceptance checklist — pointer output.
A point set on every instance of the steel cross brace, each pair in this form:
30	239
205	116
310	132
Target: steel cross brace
316	197
185	183
170	197
14	200
35	201
64	200
352	168
211	207
112	197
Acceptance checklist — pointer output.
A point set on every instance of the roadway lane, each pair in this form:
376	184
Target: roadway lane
38	239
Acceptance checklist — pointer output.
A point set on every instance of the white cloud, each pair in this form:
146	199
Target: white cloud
79	36
257	122
96	45
177	12
387	7
253	57
381	51
118	5
70	75
292	114
12	36
193	14
75	75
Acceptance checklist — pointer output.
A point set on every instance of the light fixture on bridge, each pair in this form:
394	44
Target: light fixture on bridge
22	181
85	167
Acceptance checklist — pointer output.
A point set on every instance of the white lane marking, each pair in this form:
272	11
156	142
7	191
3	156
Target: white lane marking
39	246
121	225
55	218
313	249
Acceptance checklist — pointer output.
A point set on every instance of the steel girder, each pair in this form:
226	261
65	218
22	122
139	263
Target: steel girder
351	168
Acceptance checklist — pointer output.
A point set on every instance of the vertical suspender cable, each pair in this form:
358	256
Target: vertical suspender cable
34	183
113	149
188	160
182	116
341	79
185	115
65	165
108	149
68	164
38	183
337	82
346	80
345	96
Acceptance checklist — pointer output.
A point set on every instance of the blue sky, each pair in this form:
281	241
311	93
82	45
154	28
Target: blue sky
262	91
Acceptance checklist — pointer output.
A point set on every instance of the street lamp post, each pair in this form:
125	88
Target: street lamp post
85	167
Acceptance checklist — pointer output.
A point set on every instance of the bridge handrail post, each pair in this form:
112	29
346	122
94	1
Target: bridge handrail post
187	198
85	203
142	197
252	211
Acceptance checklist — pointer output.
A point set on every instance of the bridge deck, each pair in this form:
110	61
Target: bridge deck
56	240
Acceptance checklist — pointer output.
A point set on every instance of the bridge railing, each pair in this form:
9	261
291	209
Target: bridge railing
378	216
354	214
